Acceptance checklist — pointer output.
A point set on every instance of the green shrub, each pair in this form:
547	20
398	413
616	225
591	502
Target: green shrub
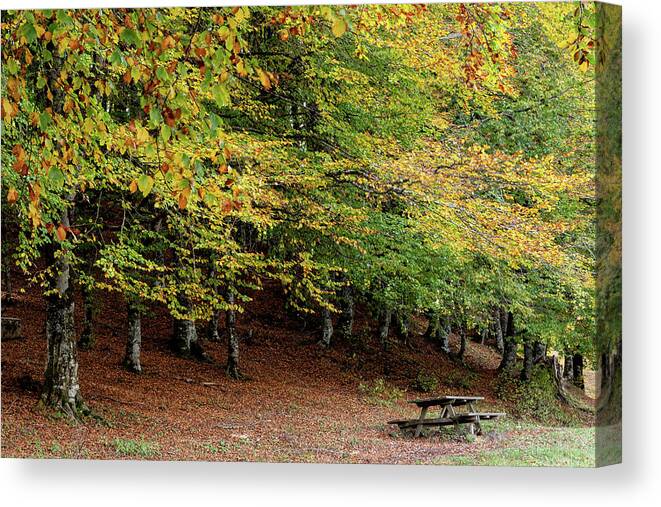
461	379
379	392
536	399
425	382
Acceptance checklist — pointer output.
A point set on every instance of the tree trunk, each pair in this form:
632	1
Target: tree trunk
443	335
463	335
185	342
402	327
326	327
86	340
578	370
384	327
232	368
432	328
539	352
212	328
498	328
568	372
345	320
509	345
528	361
61	389
134	340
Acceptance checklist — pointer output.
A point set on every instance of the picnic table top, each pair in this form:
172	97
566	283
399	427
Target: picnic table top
445	400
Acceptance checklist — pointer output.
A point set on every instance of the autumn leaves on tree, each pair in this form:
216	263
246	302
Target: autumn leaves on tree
416	160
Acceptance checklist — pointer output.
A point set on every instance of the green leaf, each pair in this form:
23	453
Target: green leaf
162	74
56	177
44	121
131	37
220	95
145	184
29	32
165	132
12	66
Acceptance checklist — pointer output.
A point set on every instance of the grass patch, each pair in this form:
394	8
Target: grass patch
135	448
558	447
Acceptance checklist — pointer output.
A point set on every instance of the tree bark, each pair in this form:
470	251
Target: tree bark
86	341
384	327
185	342
212	328
539	352
134	340
578	370
443	335
345	320
402	327
568	372
498	331
528	361
509	345
232	368
432	328
61	389
463	335
326	327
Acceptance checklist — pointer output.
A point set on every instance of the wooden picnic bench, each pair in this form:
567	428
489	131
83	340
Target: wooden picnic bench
447	414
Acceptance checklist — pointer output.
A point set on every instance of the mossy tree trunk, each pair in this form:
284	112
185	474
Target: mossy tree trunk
568	371
528	361
134	339
61	390
345	320
509	345
86	340
384	327
185	341
212	328
326	327
232	368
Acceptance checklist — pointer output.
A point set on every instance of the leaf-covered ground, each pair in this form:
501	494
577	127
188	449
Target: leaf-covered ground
300	404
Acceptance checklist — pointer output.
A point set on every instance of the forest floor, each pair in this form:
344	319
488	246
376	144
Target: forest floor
301	403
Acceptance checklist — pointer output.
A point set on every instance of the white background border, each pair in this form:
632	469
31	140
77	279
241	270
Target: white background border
636	482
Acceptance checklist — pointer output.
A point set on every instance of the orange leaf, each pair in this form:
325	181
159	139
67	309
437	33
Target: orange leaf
133	187
61	232
12	195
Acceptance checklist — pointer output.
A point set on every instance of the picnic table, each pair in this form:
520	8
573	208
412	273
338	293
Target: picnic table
447	414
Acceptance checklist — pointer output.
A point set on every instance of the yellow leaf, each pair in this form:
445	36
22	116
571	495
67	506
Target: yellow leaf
133	187
339	27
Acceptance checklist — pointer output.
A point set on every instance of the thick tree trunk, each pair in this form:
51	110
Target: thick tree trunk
528	361
326	327
232	368
185	342
212	328
61	389
539	352
134	340
345	320
443	335
568	372
578	370
509	345
86	340
384	327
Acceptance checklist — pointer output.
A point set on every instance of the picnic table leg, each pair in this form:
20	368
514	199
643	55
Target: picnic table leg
418	428
478	426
